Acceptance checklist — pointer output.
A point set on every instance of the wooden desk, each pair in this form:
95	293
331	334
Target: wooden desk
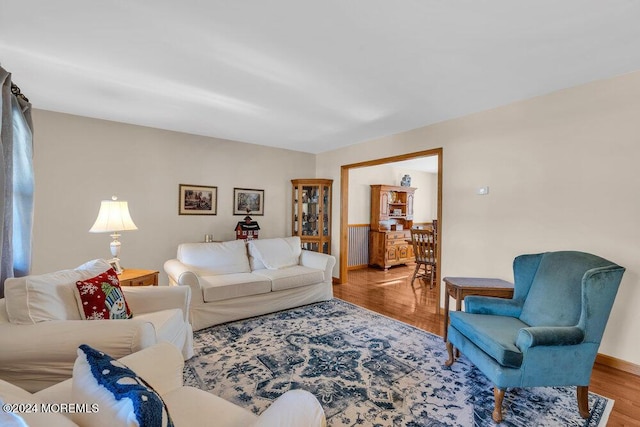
460	287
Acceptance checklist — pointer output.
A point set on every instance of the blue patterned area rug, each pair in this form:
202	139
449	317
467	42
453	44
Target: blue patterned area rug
366	370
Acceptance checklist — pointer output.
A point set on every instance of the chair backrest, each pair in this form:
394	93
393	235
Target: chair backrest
555	297
424	248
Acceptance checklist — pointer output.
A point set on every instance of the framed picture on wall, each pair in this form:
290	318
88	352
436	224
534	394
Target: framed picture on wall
198	200
247	200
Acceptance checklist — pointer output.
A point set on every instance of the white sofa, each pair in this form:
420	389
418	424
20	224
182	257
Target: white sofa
236	280
187	406
41	326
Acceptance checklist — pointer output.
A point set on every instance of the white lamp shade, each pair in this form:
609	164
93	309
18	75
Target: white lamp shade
113	216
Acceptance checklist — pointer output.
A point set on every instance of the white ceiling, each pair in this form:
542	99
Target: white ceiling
307	75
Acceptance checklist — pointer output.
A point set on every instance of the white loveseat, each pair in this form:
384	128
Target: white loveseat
161	367
41	326
236	280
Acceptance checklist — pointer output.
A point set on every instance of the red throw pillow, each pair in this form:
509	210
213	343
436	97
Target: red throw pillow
102	298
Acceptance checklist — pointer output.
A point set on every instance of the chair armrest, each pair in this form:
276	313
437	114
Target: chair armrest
492	305
319	261
295	408
549	336
36	356
180	274
149	299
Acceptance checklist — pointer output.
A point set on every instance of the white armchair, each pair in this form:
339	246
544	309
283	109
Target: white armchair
37	354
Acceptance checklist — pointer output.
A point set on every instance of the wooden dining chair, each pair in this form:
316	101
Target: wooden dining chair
424	250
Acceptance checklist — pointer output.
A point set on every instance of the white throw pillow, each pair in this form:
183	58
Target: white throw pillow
215	258
50	296
276	253
113	393
93	268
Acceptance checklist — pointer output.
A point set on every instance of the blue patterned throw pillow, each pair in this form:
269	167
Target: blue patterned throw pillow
120	396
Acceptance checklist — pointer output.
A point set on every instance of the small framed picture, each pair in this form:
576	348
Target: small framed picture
247	201
198	200
115	264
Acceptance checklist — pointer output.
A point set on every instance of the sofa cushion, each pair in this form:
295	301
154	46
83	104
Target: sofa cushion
276	253
228	286
255	263
39	298
215	258
119	395
291	277
101	298
495	335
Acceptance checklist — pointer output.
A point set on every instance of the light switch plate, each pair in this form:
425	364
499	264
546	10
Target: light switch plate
482	191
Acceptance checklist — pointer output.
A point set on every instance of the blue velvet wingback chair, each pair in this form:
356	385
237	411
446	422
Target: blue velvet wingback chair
548	334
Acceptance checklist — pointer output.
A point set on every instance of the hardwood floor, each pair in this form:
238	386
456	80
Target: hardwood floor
390	293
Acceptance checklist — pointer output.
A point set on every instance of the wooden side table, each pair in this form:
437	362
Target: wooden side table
134	277
460	287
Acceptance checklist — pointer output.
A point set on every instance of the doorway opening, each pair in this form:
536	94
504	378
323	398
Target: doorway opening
344	208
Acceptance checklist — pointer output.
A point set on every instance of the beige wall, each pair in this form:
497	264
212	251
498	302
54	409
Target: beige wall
80	161
563	174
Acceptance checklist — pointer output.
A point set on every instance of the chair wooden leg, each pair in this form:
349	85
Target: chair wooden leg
583	400
433	274
431	277
415	273
451	355
498	396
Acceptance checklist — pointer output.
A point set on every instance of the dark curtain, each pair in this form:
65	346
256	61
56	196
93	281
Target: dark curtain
16	179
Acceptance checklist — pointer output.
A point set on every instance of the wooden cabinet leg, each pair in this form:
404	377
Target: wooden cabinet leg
583	400
498	396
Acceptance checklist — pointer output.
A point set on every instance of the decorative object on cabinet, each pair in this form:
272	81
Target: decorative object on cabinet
247	199
113	217
391	222
198	200
311	217
406	181
247	229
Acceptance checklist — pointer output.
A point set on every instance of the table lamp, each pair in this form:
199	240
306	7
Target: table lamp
114	217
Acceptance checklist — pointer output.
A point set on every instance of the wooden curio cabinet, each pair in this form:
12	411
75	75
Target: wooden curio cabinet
391	222
311	218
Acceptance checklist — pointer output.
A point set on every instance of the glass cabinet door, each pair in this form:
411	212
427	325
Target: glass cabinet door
296	211
310	210
326	209
312	213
